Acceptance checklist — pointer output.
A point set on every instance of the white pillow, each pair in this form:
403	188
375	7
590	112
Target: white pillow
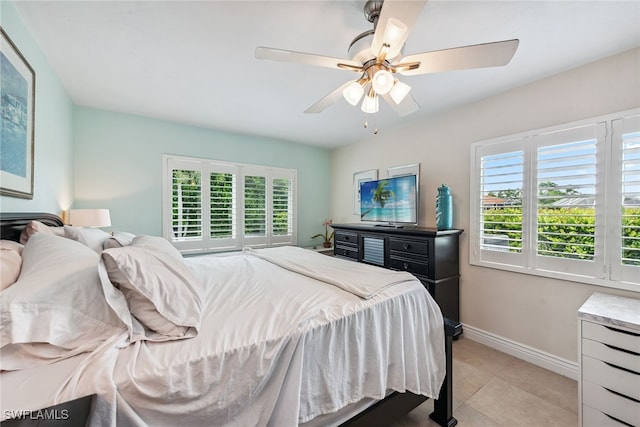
10	262
91	237
159	288
158	244
37	227
118	239
58	298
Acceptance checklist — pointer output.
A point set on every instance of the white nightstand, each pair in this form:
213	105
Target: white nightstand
609	357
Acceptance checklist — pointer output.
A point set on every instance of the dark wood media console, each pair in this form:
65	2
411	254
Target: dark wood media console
430	255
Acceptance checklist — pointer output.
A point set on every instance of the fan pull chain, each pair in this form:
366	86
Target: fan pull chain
375	125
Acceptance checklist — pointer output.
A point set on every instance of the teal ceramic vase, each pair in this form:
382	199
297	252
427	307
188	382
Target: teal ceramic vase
444	208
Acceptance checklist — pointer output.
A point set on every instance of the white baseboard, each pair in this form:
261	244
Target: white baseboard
537	357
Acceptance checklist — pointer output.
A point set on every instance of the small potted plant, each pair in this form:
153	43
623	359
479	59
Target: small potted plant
326	236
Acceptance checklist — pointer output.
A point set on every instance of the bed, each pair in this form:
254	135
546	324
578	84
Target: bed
272	337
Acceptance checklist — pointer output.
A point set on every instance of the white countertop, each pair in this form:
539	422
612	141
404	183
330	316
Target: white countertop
612	310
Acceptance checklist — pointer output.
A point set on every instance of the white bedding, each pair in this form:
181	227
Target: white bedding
275	348
359	279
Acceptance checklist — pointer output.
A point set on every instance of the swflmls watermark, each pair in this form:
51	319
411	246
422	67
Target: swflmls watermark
40	414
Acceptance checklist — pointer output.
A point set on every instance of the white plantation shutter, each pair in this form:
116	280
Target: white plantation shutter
569	196
499	231
183	211
626	191
269	206
211	205
186	218
223	206
223	216
283	204
281	212
255	207
562	202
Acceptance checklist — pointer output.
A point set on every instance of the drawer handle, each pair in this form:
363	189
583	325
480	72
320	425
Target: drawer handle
622	369
620	394
620	421
406	246
622	332
624	350
405	265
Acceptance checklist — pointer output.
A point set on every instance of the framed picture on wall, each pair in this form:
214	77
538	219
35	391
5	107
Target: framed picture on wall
358	178
413	169
17	110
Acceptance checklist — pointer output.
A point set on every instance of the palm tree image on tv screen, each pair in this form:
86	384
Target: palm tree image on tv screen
391	200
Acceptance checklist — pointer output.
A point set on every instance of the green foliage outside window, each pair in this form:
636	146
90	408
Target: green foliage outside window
281	192
569	235
186	208
255	198
222	209
187	205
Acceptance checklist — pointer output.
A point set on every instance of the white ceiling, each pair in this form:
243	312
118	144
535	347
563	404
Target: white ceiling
193	62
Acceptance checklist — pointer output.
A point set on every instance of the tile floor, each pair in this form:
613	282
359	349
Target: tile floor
491	388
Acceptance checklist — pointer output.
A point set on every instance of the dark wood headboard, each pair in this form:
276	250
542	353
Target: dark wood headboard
12	223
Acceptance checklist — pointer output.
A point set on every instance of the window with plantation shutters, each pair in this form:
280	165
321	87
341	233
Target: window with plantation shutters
186	208
282	201
255	206
566	200
626	192
630	204
500	204
569	196
561	202
222	188
212	206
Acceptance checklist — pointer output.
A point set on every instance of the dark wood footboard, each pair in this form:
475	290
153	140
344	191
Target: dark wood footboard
396	405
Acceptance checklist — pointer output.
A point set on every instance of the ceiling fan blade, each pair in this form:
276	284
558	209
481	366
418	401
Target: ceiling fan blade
328	100
406	107
396	20
461	58
306	58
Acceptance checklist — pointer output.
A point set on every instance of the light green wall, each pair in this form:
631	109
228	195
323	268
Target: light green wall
94	158
118	165
53	162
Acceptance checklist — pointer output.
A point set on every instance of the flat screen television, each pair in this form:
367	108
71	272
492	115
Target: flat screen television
392	201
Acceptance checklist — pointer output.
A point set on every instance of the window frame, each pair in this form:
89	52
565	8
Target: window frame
238	240
606	269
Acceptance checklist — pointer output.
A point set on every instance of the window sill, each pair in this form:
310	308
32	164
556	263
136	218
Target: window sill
584	280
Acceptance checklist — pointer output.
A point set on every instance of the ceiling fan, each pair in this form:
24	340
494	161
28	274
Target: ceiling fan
377	56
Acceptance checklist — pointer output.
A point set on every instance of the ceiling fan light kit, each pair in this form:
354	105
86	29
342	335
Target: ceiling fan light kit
399	91
370	104
393	32
382	81
377	55
353	92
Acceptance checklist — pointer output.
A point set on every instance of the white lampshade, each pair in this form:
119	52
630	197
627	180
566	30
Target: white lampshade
382	81
399	91
394	31
89	218
370	103
353	93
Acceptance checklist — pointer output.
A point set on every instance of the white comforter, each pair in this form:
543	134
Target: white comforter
276	348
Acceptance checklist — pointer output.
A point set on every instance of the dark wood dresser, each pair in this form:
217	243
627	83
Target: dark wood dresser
430	255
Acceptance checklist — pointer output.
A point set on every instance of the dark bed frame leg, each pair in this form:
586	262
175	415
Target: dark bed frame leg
443	406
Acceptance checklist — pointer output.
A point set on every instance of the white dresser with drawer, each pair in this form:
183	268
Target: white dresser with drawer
609	358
